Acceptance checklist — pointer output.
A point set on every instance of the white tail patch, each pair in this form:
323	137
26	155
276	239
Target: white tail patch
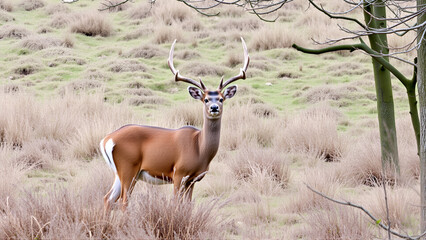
107	153
116	189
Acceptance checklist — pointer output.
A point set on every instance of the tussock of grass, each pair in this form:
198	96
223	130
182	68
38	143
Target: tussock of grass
92	24
315	132
249	161
5	16
202	69
275	37
139	11
146	51
6	5
345	69
402	205
126	65
337	222
57	8
167	34
245	24
60	20
30	5
39	42
13	31
141	100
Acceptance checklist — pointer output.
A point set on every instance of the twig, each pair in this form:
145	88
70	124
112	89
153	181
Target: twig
377	221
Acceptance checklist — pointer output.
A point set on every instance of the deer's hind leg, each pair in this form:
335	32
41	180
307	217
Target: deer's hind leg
113	194
128	176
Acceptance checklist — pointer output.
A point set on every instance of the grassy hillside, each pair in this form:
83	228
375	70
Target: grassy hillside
70	74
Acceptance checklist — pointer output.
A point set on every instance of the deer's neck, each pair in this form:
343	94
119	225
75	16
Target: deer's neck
209	138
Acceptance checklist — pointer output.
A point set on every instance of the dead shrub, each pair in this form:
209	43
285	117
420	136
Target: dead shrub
146	51
275	37
6	5
13	31
39	42
407	149
321	93
315	132
91	24
126	65
30	5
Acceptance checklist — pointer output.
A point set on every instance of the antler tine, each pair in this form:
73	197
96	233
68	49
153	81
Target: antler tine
242	74
179	77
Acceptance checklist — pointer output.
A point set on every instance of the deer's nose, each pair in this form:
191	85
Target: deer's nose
214	108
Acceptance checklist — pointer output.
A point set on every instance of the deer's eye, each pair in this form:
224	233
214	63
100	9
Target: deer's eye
221	100
206	100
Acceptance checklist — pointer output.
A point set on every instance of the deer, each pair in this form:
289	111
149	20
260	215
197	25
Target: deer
169	156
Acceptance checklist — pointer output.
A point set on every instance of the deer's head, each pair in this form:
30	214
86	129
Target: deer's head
212	99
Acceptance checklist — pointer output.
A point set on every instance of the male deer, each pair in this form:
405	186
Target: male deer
160	156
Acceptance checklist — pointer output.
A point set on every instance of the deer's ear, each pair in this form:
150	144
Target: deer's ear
195	93
230	92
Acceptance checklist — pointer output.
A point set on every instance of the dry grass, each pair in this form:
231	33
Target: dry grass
92	24
403	204
126	65
250	162
13	31
87	118
39	42
140	11
273	36
76	211
314	131
337	222
146	51
6	5
60	20
57	8
30	5
167	34
5	16
303	199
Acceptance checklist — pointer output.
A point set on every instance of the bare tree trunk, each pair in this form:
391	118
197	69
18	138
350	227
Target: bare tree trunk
385	105
421	74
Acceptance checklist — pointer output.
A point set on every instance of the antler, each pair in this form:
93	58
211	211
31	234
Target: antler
179	77
243	70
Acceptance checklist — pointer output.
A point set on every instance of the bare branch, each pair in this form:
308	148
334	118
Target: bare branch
377	221
337	17
111	5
